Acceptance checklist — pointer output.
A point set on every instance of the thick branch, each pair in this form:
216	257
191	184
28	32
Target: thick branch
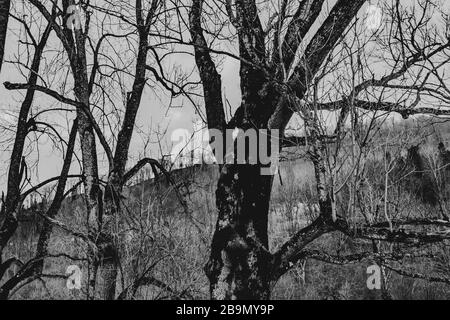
16	169
77	104
303	19
386	107
44	183
294	141
416	275
323	42
4	15
132	106
212	84
397	236
36	265
291	251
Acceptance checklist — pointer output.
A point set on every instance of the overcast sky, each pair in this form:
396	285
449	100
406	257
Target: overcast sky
153	113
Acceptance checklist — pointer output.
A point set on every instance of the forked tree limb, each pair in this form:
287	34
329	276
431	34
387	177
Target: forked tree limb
85	109
211	80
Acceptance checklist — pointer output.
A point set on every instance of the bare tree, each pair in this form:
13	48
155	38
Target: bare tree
293	63
275	84
17	170
94	73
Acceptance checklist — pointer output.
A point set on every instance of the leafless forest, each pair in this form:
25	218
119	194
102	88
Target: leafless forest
353	202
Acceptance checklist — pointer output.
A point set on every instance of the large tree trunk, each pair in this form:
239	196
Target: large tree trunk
239	266
108	246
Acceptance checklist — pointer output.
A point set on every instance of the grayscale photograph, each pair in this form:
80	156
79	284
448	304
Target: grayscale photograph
195	151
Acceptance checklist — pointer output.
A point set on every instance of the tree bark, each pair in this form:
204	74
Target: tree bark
4	17
16	168
35	266
75	45
110	250
239	266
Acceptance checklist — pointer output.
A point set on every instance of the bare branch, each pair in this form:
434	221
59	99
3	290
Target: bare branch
212	84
